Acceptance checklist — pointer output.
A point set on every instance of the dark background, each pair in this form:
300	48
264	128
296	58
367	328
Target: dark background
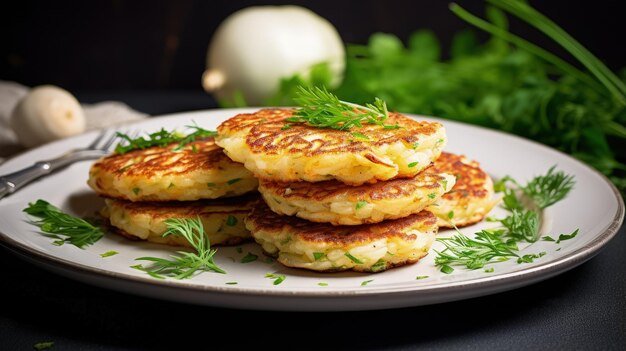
150	55
109	45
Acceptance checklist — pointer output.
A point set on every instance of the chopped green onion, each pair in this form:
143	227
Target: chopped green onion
233	181
231	221
360	204
318	255
353	259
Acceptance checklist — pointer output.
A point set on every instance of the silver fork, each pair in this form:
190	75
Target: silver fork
11	182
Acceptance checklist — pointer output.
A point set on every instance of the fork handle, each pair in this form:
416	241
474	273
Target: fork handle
9	183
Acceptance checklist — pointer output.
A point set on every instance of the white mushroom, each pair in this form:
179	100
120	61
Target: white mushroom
45	114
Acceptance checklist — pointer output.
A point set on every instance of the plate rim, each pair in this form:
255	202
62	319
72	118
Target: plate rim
497	282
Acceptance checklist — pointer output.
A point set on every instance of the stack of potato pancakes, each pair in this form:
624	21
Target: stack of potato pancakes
143	188
366	199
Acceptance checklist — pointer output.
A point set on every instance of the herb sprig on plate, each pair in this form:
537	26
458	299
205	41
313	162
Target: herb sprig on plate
62	226
522	225
185	264
322	109
161	138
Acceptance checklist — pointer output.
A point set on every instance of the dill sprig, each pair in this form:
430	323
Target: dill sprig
322	109
549	189
185	264
475	253
542	191
522	225
62	226
161	138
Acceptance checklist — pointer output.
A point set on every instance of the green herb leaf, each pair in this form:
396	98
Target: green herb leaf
232	283
185	264
322	284
250	257
321	109
277	278
161	138
360	136
109	253
564	237
413	164
365	282
530	257
46	345
446	269
420	277
60	225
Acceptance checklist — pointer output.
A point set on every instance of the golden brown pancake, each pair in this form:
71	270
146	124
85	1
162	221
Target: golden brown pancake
275	150
327	248
471	197
340	204
223	219
199	170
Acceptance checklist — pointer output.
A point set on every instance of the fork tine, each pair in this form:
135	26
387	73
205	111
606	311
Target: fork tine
110	141
97	139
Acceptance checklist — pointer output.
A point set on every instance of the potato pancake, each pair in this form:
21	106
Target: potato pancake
223	219
199	170
275	150
471	197
323	247
340	204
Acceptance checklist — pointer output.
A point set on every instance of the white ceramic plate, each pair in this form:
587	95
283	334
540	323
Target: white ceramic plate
594	206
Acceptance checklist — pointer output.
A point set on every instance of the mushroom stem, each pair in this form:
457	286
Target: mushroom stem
213	80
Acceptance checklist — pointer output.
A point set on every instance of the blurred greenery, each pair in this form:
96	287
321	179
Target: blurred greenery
495	84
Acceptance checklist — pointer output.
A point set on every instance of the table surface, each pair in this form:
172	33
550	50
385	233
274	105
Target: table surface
582	309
